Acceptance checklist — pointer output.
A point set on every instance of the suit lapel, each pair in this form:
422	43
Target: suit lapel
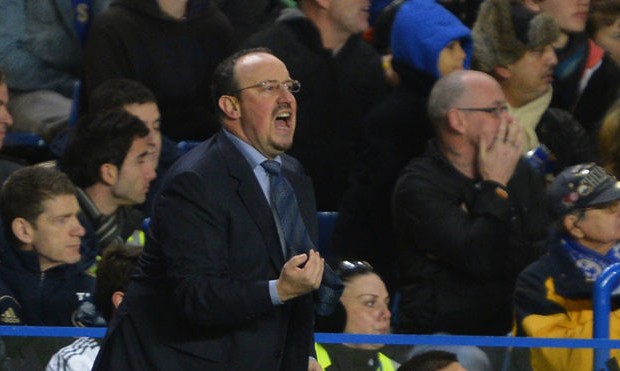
252	197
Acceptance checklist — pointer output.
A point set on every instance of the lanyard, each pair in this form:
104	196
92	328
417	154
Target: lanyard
81	22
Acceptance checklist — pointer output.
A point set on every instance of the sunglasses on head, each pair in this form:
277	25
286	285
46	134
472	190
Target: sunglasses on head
348	268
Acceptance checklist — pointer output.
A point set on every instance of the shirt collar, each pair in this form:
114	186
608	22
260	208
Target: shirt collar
251	154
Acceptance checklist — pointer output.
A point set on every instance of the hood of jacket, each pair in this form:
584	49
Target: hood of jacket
422	29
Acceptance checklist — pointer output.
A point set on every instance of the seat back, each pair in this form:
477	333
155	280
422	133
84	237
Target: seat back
327	220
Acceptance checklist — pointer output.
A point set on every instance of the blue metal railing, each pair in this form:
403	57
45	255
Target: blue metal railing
491	341
606	282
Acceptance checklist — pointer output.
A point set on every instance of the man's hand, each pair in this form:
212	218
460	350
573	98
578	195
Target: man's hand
498	161
295	280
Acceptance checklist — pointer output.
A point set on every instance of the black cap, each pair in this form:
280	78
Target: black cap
582	186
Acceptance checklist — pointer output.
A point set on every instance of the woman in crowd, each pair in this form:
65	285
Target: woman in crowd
364	310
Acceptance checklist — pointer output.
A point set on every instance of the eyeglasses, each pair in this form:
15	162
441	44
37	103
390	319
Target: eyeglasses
495	111
270	86
347	268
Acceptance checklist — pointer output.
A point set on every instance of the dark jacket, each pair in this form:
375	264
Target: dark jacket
174	58
249	17
461	245
40	43
566	138
554	299
200	299
601	90
336	92
396	131
49	298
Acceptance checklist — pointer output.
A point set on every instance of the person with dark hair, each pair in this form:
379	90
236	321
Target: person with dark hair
364	309
39	257
321	44
107	159
554	295
603	26
7	166
113	272
586	79
433	360
230	276
172	47
135	98
515	46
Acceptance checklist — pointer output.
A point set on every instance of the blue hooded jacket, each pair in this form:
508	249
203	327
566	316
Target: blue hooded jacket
422	29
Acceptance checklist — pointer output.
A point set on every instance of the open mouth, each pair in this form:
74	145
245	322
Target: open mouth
283	119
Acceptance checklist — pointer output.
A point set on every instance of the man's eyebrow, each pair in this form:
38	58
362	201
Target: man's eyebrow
368	294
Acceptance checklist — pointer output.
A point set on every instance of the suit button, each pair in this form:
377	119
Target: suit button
277	353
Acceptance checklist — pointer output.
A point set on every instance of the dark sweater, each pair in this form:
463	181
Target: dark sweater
174	58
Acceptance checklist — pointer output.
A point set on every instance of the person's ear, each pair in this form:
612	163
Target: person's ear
230	106
502	73
108	173
117	298
323	4
23	230
533	5
571	226
456	121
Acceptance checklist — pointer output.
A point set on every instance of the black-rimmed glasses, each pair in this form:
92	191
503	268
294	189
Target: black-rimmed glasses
495	110
292	86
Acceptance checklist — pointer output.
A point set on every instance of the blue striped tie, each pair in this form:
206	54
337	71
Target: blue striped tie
284	201
296	235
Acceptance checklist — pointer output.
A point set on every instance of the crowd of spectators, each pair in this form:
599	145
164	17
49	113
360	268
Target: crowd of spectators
471	149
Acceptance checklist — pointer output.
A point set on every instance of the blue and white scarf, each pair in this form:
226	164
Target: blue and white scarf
590	262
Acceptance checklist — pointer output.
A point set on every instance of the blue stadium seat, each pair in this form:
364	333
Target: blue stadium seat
34	140
23	139
327	220
187	145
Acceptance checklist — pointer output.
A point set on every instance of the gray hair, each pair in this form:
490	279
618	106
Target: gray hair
443	97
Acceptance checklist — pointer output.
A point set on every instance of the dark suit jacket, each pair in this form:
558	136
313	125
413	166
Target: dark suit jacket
200	298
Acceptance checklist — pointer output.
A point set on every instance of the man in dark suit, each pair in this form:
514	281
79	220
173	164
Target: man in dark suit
215	288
